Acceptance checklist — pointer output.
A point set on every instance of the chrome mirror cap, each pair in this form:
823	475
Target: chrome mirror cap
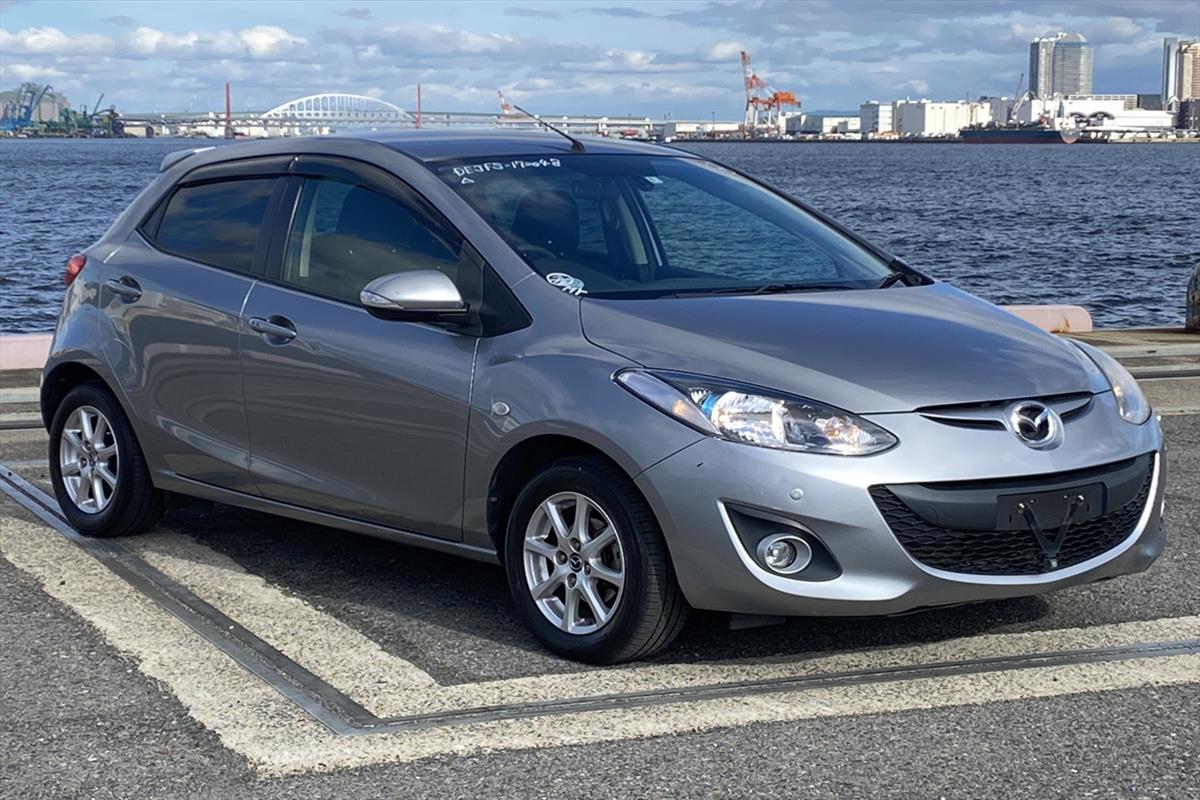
417	292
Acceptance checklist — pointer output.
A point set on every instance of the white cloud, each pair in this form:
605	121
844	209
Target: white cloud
30	72
258	42
720	51
422	40
52	41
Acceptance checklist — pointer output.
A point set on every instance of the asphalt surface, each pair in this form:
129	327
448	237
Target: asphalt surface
80	716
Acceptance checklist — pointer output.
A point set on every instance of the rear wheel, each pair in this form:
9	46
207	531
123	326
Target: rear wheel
97	468
588	566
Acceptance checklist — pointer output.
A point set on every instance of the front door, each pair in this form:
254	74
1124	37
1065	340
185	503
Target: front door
351	414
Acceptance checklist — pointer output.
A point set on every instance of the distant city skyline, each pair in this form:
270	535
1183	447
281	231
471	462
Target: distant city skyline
653	58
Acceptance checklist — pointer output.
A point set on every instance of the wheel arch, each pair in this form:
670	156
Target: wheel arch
518	466
61	379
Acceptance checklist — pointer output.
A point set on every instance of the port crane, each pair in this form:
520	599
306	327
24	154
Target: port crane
18	114
1019	100
764	105
506	109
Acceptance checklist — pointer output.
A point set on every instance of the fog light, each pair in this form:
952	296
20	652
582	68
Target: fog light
779	554
784	553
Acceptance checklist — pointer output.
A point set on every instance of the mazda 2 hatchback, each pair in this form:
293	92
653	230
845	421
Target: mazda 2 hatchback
639	380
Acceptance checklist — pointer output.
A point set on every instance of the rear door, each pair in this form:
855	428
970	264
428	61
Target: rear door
173	294
348	413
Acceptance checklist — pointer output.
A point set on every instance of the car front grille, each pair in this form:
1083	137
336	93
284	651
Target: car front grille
996	552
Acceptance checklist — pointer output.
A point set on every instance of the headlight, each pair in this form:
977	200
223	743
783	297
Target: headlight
1132	404
740	414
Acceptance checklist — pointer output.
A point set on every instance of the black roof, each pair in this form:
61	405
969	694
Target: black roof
438	145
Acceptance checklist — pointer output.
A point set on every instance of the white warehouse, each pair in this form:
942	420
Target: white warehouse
937	118
875	117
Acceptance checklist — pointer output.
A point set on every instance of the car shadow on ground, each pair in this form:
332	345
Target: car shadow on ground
432	607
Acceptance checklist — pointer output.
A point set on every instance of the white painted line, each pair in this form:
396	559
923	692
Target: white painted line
322	644
621	680
20	395
277	738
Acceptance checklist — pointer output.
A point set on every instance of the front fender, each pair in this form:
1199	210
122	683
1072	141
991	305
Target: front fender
563	389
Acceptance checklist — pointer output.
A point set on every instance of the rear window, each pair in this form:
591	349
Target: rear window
216	223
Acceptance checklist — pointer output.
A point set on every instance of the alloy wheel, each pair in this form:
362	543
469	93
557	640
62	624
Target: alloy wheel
574	563
89	460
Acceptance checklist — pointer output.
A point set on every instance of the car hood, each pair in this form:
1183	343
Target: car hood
868	351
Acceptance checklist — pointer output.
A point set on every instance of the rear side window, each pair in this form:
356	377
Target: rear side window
216	223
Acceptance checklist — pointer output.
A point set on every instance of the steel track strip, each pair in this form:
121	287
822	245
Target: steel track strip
345	717
316	697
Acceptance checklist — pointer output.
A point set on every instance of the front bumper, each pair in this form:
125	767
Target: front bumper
693	491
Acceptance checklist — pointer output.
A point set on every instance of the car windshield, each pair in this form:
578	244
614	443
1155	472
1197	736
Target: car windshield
639	226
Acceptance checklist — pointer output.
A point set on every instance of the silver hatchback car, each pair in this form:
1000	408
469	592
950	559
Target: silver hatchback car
641	381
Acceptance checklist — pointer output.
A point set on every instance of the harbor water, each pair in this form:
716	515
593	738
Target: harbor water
1115	229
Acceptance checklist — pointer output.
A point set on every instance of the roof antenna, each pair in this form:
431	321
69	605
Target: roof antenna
575	143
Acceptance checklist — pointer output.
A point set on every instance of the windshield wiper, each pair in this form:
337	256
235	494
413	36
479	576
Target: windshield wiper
781	288
893	279
768	288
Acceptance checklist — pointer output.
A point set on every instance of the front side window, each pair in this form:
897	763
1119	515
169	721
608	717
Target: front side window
216	223
345	235
634	225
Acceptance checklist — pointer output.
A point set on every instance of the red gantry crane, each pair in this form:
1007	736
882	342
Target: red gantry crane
764	105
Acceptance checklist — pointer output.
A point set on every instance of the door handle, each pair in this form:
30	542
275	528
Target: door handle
273	328
126	288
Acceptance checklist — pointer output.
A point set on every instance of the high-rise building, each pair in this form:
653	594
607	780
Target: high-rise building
1181	70
1060	63
1170	62
1072	65
1189	70
1041	66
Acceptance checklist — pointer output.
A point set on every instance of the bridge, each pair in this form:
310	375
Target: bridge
334	112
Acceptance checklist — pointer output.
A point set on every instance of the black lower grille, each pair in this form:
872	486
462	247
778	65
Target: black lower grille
993	552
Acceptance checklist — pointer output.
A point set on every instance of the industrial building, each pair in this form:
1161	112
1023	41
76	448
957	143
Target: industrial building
821	124
45	106
1060	63
1097	111
938	118
875	117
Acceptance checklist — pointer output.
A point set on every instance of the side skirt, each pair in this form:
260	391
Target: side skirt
171	482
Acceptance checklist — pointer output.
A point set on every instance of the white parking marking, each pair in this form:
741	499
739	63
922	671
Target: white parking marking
325	646
276	737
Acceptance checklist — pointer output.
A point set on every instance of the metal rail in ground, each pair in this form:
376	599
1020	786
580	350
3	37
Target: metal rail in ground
342	715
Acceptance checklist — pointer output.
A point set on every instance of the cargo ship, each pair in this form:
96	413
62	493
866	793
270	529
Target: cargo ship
1019	134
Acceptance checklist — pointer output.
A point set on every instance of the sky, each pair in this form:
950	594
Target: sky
652	58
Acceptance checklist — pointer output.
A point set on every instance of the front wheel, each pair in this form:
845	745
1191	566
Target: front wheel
588	566
97	468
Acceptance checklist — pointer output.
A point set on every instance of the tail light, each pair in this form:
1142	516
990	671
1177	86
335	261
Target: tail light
75	265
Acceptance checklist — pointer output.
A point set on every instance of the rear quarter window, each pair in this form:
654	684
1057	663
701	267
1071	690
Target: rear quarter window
215	223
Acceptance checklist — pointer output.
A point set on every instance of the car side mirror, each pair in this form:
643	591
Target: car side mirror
420	294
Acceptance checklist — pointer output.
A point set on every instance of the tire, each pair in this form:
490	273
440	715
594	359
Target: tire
647	611
131	503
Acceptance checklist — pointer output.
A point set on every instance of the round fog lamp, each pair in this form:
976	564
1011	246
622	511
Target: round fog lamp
779	554
784	553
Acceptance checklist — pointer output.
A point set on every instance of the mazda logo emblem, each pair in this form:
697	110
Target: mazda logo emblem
1035	424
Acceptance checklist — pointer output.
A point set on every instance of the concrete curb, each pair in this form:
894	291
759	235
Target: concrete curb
24	350
1054	318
